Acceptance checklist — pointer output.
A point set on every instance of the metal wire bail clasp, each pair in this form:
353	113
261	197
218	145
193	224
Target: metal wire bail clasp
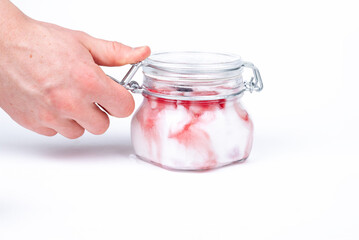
255	84
127	81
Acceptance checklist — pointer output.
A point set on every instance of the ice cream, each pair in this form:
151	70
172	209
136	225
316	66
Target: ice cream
190	134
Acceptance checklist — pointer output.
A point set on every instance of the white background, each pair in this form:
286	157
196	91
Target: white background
301	180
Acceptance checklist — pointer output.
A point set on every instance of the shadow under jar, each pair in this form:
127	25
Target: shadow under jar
191	117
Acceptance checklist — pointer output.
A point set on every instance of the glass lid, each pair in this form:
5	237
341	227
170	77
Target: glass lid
193	62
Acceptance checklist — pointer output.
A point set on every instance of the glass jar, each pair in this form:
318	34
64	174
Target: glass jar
191	117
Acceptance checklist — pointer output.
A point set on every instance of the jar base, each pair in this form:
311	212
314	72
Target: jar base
190	169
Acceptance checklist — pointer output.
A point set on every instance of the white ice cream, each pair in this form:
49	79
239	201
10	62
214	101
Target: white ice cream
191	135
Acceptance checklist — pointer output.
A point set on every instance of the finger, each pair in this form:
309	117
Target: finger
69	128
114	98
111	53
45	131
93	120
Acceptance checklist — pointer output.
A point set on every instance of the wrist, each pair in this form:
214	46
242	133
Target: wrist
11	18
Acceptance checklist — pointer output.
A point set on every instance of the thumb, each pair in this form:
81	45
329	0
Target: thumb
111	53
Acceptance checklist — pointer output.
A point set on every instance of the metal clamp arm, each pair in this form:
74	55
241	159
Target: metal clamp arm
255	84
127	81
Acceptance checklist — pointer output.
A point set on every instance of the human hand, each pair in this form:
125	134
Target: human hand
50	79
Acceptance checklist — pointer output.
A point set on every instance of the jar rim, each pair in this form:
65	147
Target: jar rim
193	62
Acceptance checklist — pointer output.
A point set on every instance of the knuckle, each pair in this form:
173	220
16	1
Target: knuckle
64	106
80	34
115	46
114	50
85	78
81	72
59	101
47	117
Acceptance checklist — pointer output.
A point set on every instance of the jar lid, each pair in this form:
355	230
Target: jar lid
191	62
192	76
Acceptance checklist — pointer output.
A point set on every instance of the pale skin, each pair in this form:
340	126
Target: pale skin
50	79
